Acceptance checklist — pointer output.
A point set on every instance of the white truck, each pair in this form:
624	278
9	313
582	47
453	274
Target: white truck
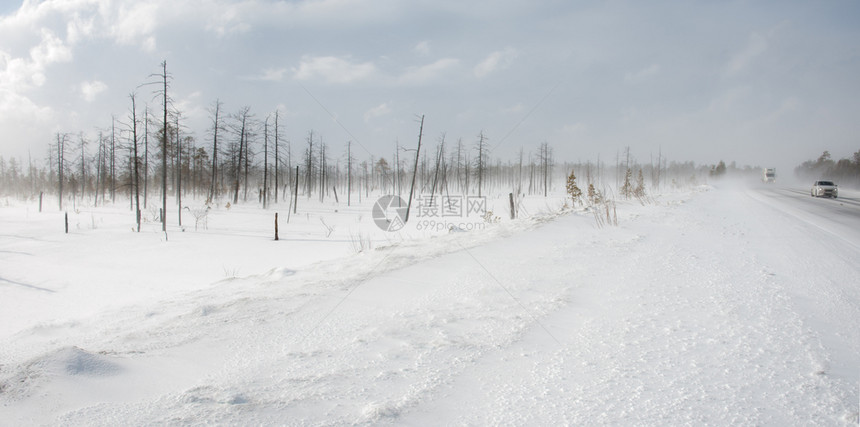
768	175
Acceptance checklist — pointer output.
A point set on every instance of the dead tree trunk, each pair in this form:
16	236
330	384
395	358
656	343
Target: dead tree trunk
414	170
61	142
164	153
296	192
242	143
178	172
136	177
266	163
215	128
277	159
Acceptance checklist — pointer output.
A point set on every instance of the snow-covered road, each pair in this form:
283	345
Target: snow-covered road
839	217
726	306
721	312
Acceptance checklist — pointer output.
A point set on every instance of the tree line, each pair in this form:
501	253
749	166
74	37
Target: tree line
149	155
843	171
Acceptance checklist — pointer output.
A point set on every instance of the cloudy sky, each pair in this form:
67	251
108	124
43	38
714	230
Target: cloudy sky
759	82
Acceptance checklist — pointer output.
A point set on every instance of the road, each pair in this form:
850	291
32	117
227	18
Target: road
839	217
738	307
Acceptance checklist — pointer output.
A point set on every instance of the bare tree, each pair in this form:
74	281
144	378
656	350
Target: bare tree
112	173
310	160
61	153
99	169
242	116
520	173
277	158
458	164
481	161
546	163
178	168
288	184
349	160
83	145
440	153
414	169
398	176
145	154
216	126
322	169
247	128
266	163
164	152
136	162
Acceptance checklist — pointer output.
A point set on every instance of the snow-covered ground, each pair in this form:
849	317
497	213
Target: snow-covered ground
716	305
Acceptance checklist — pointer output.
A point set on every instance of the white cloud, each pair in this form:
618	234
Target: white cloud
135	24
15	73
575	128
642	74
21	74
15	108
229	19
788	106
21	118
379	110
192	107
730	100
50	50
333	69
148	44
79	28
234	17
89	90
422	48
339	13
756	45
426	73
514	109
123	22
269	75
498	60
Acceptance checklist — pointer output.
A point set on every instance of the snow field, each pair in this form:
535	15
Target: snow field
154	324
703	308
